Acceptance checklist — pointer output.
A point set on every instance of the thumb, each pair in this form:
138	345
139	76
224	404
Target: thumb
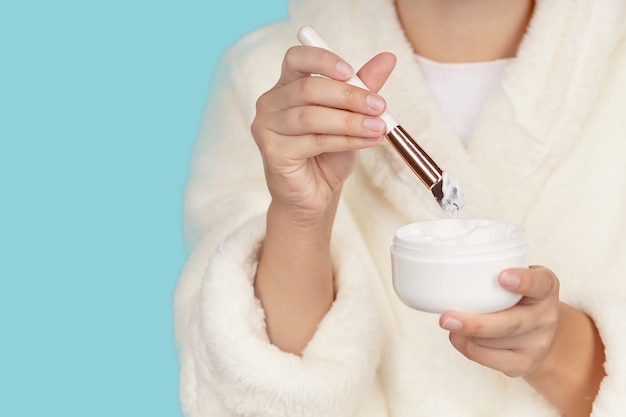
377	70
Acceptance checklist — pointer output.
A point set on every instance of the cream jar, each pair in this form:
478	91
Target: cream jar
453	264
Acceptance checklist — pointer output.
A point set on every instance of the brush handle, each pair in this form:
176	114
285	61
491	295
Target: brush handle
309	37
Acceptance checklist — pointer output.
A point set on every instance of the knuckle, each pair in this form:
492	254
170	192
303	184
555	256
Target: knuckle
349	95
260	103
307	86
544	282
466	346
261	143
256	124
291	56
352	122
477	328
549	286
305	116
471	349
257	129
553	284
264	103
512	327
266	147
264	139
320	140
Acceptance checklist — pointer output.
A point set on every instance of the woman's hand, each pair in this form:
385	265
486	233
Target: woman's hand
555	347
308	128
516	340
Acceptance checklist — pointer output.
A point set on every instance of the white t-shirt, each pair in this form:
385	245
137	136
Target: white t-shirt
461	90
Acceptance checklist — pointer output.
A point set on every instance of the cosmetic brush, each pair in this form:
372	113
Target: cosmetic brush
443	187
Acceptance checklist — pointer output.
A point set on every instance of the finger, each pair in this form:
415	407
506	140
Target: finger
533	340
507	323
511	362
376	71
536	283
519	319
515	342
307	146
327	93
302	61
326	121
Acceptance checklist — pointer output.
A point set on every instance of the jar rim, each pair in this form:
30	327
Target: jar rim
459	236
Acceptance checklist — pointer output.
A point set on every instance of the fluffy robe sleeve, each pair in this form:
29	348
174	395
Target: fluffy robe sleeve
607	312
228	366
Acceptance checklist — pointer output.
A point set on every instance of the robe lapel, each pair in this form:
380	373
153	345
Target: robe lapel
545	98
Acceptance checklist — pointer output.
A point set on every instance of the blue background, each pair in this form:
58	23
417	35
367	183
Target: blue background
100	102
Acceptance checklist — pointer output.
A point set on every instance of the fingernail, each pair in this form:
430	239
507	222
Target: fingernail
375	102
375	125
509	280
344	69
452	323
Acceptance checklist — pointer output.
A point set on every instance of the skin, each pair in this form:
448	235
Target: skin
309	131
465	30
553	346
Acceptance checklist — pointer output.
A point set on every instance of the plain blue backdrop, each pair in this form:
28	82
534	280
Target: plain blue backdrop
100	102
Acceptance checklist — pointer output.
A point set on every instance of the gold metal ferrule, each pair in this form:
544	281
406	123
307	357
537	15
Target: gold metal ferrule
416	158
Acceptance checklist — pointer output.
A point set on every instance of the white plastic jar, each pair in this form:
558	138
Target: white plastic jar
453	264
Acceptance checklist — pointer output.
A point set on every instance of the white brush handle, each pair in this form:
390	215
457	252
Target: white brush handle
309	37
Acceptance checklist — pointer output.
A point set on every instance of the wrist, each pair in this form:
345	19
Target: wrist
308	222
570	374
294	280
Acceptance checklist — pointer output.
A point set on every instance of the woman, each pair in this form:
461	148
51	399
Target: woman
285	306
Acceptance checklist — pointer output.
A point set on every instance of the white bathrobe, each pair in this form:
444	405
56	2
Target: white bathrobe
548	153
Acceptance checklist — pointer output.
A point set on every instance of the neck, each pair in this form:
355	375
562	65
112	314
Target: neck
465	30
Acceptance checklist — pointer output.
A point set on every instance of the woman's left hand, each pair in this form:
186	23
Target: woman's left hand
539	339
516	340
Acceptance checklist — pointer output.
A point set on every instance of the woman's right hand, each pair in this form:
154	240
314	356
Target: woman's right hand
310	128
